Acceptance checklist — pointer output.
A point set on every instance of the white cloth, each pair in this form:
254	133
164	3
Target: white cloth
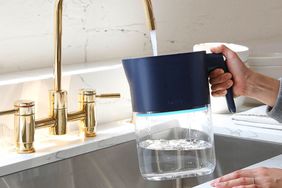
256	117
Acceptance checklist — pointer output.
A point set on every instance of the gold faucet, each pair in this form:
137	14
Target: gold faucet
24	113
58	97
148	7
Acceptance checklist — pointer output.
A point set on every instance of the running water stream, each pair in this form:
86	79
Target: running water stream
153	36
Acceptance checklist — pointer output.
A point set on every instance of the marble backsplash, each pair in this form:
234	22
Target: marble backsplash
99	30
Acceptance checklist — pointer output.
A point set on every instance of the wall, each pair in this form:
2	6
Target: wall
96	30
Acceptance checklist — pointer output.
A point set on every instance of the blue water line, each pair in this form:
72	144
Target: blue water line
172	113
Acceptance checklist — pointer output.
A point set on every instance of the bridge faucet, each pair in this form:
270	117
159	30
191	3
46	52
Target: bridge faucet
24	113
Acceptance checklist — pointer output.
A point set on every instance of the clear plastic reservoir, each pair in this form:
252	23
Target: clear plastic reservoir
175	144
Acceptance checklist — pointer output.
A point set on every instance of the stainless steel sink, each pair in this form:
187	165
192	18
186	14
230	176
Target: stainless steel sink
117	167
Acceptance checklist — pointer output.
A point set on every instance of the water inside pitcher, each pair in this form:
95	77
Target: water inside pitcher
175	144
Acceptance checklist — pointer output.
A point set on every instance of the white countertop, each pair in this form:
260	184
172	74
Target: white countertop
54	148
224	125
51	148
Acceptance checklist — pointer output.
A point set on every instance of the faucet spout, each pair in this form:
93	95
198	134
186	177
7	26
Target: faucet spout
149	15
58	97
58	20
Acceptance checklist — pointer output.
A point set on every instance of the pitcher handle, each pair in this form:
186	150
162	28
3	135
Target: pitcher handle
217	61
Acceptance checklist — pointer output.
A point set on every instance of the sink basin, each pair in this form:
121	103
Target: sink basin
117	167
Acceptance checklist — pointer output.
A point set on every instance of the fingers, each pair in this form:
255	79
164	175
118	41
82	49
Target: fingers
222	86
220	90
246	186
220	82
235	175
221	78
215	73
245	182
250	178
240	179
235	182
220	93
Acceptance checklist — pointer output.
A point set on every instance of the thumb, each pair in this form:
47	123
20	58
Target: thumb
229	54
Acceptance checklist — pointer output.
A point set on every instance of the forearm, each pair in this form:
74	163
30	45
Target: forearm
262	88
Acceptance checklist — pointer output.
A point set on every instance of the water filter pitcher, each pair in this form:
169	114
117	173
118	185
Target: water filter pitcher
171	105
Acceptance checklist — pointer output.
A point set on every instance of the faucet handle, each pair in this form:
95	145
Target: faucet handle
89	95
24	126
87	105
109	95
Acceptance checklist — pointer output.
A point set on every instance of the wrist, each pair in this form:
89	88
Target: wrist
249	84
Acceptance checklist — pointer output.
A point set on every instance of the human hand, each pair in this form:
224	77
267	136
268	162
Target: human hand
245	82
237	77
251	178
